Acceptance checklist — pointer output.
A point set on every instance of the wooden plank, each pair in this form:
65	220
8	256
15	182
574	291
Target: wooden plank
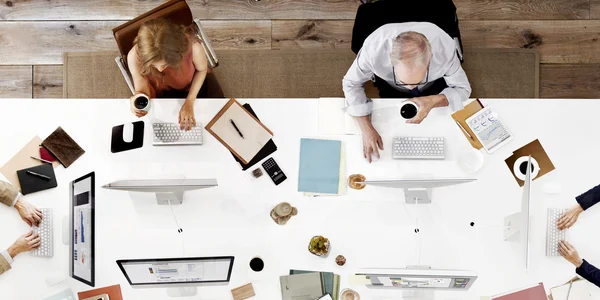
48	81
570	81
238	34
43	43
15	81
523	9
595	9
312	34
64	10
557	41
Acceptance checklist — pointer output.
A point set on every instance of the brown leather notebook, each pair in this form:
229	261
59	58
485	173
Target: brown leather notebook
63	147
113	291
462	115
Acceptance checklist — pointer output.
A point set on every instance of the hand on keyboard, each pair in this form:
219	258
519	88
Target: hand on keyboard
186	116
569	217
26	242
569	253
29	213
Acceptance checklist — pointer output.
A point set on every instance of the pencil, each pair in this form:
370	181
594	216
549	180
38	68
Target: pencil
42	160
465	131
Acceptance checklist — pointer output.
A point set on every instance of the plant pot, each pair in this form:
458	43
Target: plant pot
322	252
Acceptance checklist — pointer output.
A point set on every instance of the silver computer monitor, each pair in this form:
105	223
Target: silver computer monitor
168	191
418	190
180	275
517	224
423	280
81	230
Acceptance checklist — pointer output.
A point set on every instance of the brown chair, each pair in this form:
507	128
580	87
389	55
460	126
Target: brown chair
176	11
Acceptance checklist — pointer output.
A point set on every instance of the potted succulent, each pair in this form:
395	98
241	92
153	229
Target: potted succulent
319	246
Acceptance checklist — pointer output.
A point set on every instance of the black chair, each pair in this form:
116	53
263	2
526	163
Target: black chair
371	16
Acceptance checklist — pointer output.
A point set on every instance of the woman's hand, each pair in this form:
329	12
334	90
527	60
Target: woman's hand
138	113
29	213
569	217
570	253
186	116
26	242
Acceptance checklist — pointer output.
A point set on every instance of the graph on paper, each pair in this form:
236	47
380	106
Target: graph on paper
489	129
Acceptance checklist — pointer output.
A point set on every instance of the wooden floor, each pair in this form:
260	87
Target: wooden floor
35	33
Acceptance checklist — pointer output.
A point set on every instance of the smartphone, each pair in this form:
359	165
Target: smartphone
99	297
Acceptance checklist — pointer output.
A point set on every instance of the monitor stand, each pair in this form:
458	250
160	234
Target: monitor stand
418	295
174	198
512	230
182	291
417	195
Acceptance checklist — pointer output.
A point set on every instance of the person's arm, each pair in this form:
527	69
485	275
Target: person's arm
186	114
8	194
589	198
589	272
459	88
357	103
26	242
141	85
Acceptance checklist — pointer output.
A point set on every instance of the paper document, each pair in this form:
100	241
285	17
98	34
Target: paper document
239	131
333	118
579	291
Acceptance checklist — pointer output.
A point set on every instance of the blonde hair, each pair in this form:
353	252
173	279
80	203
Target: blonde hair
161	40
411	48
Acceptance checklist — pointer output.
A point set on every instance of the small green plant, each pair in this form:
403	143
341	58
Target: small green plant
319	244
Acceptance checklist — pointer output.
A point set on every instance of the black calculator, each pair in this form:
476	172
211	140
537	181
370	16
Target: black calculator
274	171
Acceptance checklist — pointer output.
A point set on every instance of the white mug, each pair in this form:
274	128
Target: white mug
141	102
408	110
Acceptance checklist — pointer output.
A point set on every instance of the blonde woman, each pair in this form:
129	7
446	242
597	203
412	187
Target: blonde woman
167	61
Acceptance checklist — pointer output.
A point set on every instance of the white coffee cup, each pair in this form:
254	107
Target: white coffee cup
141	102
521	163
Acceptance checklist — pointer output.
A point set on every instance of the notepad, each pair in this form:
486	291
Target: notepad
579	291
31	183
333	118
319	170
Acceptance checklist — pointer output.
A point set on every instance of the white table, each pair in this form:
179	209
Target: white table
372	227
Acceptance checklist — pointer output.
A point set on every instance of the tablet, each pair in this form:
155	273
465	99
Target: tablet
489	129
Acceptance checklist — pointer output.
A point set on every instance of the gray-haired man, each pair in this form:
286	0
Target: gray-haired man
415	60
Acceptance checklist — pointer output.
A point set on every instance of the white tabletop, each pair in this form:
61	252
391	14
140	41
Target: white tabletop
371	228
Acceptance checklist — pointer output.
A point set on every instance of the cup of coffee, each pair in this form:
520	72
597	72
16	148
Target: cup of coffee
141	102
408	110
257	264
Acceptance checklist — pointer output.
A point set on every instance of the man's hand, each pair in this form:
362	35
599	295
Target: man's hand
186	116
425	105
569	217
138	113
371	139
569	253
26	242
29	213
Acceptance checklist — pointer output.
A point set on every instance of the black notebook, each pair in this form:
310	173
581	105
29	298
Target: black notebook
267	150
32	183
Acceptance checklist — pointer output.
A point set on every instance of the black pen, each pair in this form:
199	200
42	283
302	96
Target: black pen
236	128
39	175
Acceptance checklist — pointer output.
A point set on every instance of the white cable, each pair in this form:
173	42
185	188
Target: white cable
178	230
419	235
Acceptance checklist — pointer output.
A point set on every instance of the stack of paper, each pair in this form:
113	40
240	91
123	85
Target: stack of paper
310	285
322	167
330	282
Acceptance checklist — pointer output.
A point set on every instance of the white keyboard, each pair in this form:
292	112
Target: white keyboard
418	148
166	134
45	230
553	235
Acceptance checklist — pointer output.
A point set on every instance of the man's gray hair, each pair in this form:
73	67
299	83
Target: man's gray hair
411	48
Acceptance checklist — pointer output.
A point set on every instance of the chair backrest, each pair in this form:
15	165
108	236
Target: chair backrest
371	16
176	11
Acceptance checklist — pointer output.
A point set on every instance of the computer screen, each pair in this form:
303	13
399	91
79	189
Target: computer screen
177	270
408	282
82	265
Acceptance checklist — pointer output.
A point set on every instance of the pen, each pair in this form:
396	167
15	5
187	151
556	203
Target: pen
236	128
463	129
42	160
569	292
39	175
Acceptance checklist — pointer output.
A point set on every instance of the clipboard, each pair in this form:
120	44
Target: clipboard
256	134
461	117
